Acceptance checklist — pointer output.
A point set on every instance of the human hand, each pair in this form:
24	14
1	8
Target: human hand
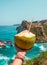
21	51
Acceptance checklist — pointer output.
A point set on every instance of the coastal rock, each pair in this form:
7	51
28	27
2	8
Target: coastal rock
24	26
38	28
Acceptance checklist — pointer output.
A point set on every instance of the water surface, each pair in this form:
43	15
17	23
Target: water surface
8	53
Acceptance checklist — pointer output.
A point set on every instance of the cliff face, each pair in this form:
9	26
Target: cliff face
38	28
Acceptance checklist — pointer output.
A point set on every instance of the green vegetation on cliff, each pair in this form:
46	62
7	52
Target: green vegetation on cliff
37	61
45	28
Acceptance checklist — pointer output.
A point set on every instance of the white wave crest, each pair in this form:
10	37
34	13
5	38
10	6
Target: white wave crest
41	47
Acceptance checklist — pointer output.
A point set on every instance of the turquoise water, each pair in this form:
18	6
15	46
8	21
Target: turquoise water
8	53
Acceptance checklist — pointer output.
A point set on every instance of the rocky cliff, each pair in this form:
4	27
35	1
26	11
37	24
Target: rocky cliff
38	28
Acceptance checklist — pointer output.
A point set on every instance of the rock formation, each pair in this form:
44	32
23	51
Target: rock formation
38	28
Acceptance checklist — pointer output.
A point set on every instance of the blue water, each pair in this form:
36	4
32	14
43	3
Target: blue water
8	53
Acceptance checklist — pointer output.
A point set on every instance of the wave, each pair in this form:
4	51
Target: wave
41	47
6	58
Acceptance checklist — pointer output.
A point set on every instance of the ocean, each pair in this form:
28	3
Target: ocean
8	53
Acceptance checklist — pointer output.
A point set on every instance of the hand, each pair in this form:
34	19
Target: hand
19	57
20	50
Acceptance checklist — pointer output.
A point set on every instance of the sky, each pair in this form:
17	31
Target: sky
14	11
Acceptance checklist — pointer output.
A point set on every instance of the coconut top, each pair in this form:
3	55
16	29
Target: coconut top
25	33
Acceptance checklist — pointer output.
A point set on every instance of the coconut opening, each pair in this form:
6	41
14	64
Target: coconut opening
25	33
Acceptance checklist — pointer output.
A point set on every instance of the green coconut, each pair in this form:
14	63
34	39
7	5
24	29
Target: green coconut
25	39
